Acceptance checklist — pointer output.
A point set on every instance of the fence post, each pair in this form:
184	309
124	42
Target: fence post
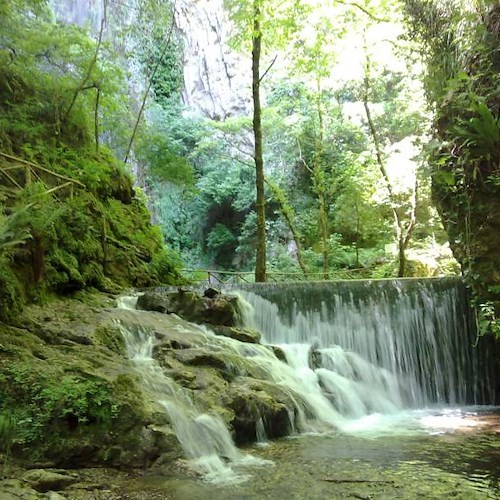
27	175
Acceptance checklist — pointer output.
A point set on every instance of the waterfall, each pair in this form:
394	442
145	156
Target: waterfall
364	357
377	345
204	438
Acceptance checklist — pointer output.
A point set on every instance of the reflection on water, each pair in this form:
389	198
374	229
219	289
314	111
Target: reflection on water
456	453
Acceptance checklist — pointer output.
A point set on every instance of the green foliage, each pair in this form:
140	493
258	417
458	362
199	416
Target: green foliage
55	235
459	43
13	231
158	48
38	403
488	321
166	267
12	296
164	164
479	136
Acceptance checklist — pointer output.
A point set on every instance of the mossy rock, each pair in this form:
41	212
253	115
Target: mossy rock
191	306
110	336
253	404
241	334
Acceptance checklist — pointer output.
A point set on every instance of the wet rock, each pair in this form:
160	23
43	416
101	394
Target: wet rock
154	301
14	489
278	352
43	480
315	359
53	495
182	377
224	363
220	309
251	402
241	334
211	293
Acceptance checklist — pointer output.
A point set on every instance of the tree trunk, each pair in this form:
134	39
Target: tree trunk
403	234
260	204
319	186
93	62
288	214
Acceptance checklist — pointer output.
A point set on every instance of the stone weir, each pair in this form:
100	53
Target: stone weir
422	331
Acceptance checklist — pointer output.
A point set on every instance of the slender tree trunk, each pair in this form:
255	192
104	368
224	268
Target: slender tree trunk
319	186
83	83
289	215
260	204
403	233
96	119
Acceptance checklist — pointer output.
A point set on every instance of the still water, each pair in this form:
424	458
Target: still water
420	454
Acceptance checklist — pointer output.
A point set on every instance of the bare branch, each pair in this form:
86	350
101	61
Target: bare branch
301	158
268	68
82	85
365	11
150	83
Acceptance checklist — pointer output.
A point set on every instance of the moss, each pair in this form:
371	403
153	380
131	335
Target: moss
99	237
110	337
11	294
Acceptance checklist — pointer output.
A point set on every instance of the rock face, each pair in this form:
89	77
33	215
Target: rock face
64	374
473	230
214	75
68	395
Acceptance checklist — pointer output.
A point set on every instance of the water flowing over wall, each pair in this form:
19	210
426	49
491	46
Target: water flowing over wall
411	342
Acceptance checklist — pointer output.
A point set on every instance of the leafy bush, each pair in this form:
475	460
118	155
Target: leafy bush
39	402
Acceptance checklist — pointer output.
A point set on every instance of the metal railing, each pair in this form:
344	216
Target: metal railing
217	278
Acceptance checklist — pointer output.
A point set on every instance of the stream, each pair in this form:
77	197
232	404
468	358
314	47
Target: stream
454	453
393	399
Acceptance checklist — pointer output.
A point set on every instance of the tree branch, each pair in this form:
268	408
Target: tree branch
268	68
92	63
365	11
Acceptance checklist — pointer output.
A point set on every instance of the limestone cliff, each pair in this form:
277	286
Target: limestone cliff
214	79
214	74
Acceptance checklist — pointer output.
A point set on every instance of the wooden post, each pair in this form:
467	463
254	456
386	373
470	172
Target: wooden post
27	174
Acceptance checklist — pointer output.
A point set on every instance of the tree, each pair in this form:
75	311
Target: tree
264	25
404	229
458	42
315	61
260	202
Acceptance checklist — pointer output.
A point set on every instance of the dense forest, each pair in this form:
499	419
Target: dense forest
358	110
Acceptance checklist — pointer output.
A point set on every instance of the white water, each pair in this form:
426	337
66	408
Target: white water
204	438
371	366
383	363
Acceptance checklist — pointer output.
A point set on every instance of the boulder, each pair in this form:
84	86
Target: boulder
45	480
215	309
224	363
278	352
254	401
241	334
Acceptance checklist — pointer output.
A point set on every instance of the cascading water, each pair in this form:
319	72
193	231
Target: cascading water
367	357
375	347
204	438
